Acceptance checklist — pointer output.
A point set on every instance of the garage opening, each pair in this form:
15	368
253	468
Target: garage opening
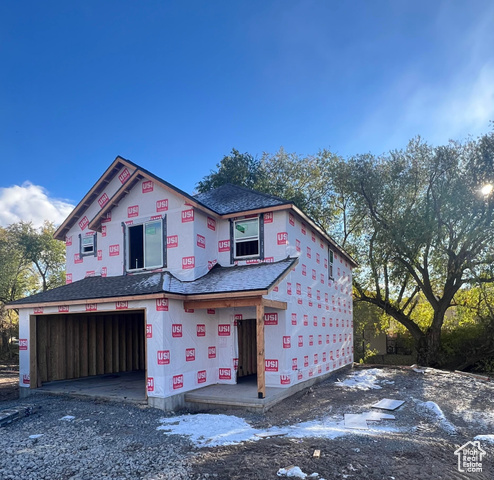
83	345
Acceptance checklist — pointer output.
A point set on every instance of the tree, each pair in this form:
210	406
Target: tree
426	230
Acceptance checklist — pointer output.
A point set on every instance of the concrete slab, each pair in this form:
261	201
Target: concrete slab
125	386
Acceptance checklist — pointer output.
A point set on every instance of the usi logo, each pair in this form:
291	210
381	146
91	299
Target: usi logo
224	330
235	364
306	320
268	217
188	262
299	289
100	255
324	357
77	258
294	319
106	218
211	224
83	223
309	292
178	381
282	238
91	307
172	241
133	211
68	241
201	376
211	352
318	258
294	364
90	273
103	200
63	309
201	330
271	365
309	254
224	246
104	272
302	229
163	357
270	319
287	342
238	316
315	320
297	245
311	340
304	270
149	331
201	241
162	205
162	304
103	231
319	339
114	250
147	186
313	274
124	176
225	373
306	361
188	215
38	310
327	339
285	379
300	340
26	379
334	338
190	354
291	220
22	343
211	311
316	359
121	305
289	288
150	384
331	355
176	330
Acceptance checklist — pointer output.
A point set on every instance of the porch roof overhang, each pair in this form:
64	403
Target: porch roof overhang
221	286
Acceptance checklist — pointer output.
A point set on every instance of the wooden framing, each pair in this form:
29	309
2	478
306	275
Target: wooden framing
261	381
234	303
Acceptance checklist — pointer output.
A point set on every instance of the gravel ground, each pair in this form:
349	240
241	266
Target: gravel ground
108	440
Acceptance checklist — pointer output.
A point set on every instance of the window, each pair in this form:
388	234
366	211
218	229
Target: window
87	245
146	246
330	263
246	238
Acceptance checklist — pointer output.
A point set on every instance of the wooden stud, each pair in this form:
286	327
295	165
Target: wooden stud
33	357
261	382
83	348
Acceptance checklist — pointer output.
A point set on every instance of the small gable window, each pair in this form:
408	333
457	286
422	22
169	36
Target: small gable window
145	245
246	238
87	245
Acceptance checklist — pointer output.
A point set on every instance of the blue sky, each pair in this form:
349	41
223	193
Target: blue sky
174	86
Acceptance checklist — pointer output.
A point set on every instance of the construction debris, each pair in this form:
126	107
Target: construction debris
388	404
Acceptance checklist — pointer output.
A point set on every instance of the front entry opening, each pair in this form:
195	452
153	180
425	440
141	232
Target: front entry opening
247	350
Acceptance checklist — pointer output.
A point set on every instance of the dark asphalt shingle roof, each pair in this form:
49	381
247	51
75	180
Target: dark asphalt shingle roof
233	198
218	280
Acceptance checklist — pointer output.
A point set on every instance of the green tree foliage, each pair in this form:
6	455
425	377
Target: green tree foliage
427	231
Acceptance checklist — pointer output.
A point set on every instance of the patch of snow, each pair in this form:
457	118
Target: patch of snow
206	430
68	418
363	380
432	409
36	436
294	472
485	438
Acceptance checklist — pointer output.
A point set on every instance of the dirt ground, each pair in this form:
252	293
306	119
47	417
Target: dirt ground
416	445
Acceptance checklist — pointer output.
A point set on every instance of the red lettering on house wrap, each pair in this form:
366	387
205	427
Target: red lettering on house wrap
302	229
287	341
176	330
201	330
90	273
83	223
91	307
147	186
77	258
201	241
63	309
104	272
225	373
268	217
294	319
149	331
188	262
282	238
162	304
224	330
122	305
190	354
162	205
106	218
103	200
100	255
238	316
26	379
285	379
23	344
294	364
187	215
68	241
114	250
309	253
211	224
311	340
201	376
271	365
68	278
291	220
172	241
124	175
150	384
38	310
270	319
163	357
224	246
300	340
304	270
178	382
133	211
211	352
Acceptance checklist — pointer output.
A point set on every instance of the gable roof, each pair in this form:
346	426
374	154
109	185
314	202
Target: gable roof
223	202
259	278
234	199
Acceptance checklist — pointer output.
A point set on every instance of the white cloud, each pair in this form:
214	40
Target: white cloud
31	203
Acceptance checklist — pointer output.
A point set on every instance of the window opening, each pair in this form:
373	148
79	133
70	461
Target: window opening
145	245
246	237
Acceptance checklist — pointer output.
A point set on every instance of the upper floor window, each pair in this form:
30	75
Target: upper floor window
246	238
146	245
330	263
87	245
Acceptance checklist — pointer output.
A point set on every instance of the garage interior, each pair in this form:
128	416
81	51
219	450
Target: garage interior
87	353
